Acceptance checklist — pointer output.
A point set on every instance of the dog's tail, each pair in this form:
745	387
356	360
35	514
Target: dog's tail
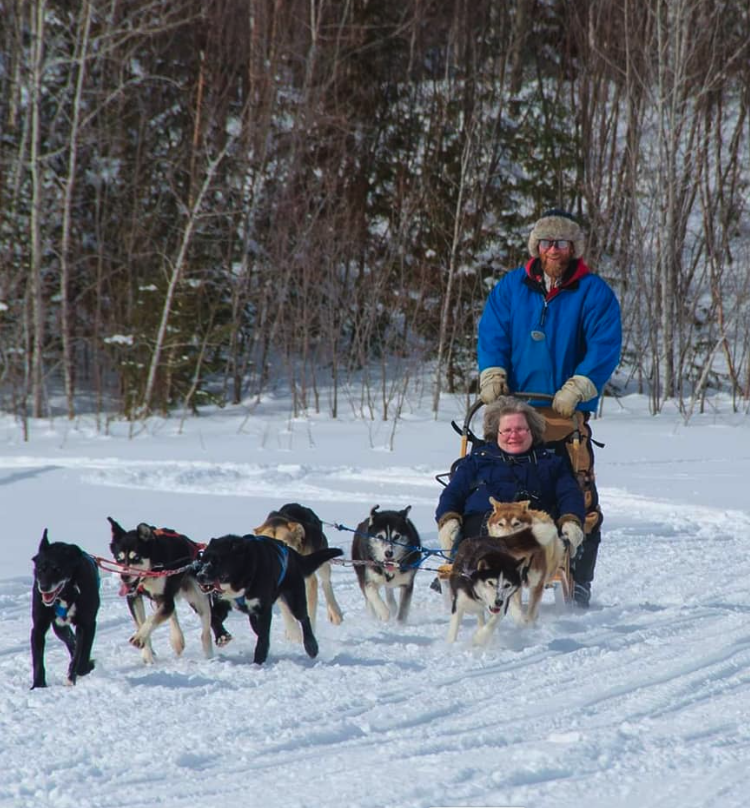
309	563
525	541
545	532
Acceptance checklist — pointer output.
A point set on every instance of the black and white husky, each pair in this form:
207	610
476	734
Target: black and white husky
386	551
147	549
483	578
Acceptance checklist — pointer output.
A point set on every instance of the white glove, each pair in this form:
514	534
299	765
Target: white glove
576	389
573	533
493	383
448	533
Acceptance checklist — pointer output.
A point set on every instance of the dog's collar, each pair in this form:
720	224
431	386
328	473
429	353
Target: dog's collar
61	612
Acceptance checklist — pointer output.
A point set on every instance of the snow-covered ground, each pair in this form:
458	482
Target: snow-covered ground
642	701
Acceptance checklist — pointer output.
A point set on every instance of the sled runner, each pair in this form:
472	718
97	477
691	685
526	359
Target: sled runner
563	434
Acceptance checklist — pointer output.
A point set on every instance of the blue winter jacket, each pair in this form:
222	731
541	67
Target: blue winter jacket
542	340
490	472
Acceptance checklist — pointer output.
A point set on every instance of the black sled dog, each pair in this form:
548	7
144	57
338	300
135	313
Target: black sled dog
66	592
147	549
387	548
252	572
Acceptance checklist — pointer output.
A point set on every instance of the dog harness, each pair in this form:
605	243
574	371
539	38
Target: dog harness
61	612
283	552
168	533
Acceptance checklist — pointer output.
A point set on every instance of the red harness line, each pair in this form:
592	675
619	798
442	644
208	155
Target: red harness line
108	565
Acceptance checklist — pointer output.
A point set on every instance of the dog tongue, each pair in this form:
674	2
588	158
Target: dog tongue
48	597
124	589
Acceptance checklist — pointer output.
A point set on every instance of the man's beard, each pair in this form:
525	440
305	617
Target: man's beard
554	267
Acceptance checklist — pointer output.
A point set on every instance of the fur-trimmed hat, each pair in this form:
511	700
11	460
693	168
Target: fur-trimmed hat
557	224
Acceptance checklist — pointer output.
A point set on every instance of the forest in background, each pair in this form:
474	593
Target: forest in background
204	199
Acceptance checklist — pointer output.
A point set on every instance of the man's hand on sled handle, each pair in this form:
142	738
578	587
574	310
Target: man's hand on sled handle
449	527
493	383
572	532
575	390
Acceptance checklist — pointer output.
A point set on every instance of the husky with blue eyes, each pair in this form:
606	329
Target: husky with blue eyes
484	578
387	551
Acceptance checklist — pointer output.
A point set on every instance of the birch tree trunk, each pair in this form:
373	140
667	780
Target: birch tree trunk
466	157
38	14
176	275
65	313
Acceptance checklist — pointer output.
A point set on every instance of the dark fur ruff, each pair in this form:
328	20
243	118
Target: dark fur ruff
66	592
480	558
164	550
252	572
388	549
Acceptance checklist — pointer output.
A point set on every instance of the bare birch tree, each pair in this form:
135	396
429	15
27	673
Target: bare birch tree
37	19
66	324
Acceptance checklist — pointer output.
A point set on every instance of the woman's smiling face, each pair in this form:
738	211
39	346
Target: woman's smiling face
513	434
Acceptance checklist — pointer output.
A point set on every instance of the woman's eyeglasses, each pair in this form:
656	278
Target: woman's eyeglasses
520	430
548	244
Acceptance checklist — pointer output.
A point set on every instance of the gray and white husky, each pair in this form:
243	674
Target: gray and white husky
483	578
386	551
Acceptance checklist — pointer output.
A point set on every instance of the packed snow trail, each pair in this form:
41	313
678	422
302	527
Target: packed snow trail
641	702
586	709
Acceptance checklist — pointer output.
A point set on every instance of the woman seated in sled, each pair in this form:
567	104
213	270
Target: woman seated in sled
513	465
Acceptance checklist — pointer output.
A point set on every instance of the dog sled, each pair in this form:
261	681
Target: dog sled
560	431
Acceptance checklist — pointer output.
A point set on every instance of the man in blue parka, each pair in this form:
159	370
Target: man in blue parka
553	327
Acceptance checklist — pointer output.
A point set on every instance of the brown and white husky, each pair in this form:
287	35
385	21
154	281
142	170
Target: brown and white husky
512	525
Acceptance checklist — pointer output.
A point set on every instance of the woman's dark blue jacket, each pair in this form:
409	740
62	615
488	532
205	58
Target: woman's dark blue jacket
490	472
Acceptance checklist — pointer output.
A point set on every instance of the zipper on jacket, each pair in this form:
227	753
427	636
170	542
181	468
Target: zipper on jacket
544	313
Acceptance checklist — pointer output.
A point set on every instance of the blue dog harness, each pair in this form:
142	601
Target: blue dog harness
61	612
283	552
